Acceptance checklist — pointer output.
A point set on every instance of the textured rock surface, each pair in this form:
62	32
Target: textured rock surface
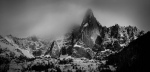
91	34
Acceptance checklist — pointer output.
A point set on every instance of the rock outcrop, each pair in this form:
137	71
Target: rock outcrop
91	34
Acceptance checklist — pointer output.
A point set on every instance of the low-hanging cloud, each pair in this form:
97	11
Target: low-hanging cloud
57	23
52	18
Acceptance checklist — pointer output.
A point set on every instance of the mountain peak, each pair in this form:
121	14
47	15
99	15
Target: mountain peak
89	13
89	29
88	16
89	20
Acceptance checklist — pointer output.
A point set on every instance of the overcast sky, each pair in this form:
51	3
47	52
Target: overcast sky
52	18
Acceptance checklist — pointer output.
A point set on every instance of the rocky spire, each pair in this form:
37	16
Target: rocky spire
90	29
88	16
90	20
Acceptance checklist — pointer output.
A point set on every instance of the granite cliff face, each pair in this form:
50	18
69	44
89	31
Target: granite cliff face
90	30
92	38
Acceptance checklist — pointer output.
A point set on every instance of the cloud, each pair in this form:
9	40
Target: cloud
51	18
53	24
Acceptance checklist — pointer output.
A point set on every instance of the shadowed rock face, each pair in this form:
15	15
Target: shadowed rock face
133	57
49	50
54	51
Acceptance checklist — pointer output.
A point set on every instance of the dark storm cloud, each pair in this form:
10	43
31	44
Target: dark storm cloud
47	18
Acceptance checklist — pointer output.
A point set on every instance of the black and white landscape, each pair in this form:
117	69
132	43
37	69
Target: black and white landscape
86	47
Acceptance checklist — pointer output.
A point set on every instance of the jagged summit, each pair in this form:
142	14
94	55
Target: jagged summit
89	29
89	20
88	15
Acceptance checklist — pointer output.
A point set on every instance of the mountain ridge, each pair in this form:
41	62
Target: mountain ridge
89	41
91	34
